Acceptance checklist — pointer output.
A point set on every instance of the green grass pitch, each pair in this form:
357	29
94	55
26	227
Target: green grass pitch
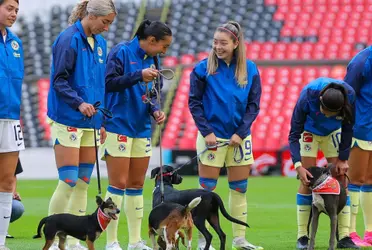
271	213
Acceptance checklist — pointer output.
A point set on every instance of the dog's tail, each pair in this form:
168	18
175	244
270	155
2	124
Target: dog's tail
41	224
192	204
225	213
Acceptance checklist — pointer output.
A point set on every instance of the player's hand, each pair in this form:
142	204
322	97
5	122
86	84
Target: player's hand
149	74
16	196
87	109
304	175
103	135
341	167
159	117
210	140
235	140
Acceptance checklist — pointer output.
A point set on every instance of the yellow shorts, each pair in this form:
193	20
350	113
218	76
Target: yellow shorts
224	155
365	145
124	146
73	137
310	144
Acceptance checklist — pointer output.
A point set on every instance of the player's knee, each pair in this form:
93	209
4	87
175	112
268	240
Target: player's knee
208	183
69	175
85	171
239	186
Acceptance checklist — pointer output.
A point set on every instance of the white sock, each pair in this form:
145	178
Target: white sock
5	213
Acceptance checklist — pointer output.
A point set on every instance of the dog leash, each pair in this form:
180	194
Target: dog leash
146	98
107	114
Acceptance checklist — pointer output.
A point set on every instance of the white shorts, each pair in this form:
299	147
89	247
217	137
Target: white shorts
11	136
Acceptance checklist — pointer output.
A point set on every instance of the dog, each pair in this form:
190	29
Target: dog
207	210
167	218
86	228
329	197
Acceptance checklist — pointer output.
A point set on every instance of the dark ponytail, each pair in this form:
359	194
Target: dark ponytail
157	29
334	98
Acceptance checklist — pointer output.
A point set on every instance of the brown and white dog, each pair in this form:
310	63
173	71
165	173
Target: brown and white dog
167	219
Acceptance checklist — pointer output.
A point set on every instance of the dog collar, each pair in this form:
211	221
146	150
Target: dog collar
103	220
329	186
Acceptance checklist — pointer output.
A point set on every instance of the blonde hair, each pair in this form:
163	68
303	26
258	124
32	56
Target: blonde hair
235	32
91	7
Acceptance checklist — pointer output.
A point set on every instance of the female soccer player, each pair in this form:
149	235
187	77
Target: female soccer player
224	100
77	82
322	119
359	76
11	138
130	67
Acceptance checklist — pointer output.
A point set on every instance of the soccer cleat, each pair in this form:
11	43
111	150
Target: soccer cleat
302	243
358	241
4	248
368	238
346	242
240	243
76	247
201	245
141	245
113	246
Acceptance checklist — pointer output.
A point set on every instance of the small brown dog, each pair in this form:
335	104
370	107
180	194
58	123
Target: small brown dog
167	219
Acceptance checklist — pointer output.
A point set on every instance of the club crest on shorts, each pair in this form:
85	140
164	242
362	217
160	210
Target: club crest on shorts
307	147
73	137
122	147
370	143
211	156
99	51
15	45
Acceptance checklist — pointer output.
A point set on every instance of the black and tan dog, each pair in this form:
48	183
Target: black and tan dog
329	197
167	218
86	228
207	210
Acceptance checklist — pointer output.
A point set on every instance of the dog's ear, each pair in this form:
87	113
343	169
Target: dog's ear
154	172
109	199
99	200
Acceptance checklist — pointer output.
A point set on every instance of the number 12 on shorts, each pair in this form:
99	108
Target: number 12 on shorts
18	134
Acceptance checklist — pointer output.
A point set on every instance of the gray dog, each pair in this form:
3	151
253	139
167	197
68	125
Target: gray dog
329	197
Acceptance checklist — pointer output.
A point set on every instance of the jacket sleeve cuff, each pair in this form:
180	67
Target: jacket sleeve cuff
76	104
206	132
344	155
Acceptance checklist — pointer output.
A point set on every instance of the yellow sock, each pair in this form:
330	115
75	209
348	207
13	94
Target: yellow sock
303	213
344	220
238	210
116	195
59	201
77	204
366	205
133	207
354	193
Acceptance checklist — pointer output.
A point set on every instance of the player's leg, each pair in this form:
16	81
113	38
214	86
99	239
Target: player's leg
238	163
329	146
309	151
210	163
133	205
11	142
66	142
116	152
366	200
358	166
78	200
